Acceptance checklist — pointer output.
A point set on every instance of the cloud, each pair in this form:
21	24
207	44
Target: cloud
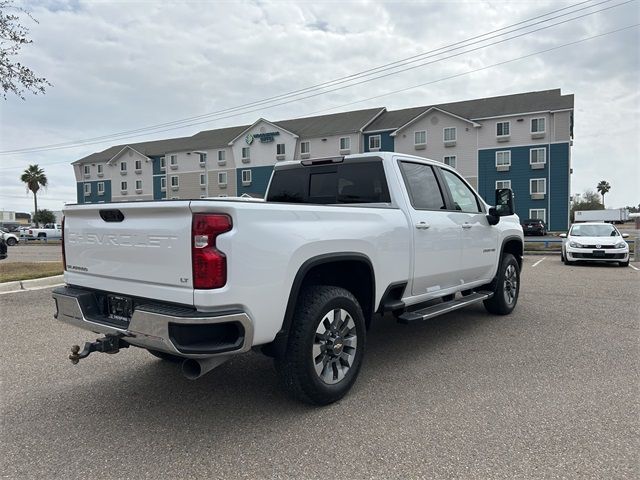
119	65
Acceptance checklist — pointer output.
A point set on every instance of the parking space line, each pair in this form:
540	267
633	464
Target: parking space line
635	268
538	262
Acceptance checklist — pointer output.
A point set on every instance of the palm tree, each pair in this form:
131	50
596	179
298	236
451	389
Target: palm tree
603	187
34	178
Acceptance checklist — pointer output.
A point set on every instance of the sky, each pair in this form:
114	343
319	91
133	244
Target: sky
118	66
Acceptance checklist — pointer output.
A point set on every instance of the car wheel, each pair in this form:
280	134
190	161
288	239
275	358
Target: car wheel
168	357
11	242
624	264
505	294
325	346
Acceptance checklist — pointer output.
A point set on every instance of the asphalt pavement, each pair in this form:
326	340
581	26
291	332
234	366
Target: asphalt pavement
550	391
34	251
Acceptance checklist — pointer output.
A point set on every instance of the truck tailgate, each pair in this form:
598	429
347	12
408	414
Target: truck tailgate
129	247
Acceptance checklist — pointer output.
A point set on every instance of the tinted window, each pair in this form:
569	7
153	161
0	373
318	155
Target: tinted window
463	198
422	186
358	182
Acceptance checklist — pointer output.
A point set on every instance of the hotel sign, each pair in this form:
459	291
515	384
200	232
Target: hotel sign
263	137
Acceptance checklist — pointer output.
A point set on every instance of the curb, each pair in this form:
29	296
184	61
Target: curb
17	286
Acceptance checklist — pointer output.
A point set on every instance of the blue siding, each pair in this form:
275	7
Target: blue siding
158	194
94	197
386	141
555	171
260	177
155	161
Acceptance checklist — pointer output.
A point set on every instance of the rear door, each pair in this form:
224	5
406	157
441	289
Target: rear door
479	241
436	236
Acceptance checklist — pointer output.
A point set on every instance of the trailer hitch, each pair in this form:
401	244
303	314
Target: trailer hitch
110	343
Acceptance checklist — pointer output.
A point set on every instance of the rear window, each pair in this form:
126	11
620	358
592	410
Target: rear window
357	182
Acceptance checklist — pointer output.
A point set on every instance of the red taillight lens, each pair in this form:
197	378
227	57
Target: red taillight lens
209	264
64	257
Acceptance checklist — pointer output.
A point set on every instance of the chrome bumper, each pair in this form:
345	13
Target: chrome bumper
150	324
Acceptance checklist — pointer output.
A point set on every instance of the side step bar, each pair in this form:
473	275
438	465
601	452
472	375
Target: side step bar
442	308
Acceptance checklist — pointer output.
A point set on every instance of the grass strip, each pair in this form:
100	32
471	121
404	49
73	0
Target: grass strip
14	271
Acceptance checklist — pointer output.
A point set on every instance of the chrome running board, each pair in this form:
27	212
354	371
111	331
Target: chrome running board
442	308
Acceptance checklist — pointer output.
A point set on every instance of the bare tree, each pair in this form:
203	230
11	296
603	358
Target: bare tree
15	77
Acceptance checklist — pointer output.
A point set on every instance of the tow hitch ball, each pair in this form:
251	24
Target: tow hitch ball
110	343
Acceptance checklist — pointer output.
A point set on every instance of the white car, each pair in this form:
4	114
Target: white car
10	238
595	241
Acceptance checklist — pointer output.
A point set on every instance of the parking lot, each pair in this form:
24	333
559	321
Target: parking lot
550	391
35	252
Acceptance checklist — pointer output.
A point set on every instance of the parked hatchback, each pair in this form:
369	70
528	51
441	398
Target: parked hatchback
595	242
534	226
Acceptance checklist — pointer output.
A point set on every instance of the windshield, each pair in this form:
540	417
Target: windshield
593	231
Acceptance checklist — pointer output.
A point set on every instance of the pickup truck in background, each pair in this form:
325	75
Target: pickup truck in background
51	231
299	276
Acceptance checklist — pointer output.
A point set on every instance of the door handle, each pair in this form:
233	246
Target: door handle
466	226
422	226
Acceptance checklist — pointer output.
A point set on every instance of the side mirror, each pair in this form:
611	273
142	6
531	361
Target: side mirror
563	235
504	202
625	235
493	217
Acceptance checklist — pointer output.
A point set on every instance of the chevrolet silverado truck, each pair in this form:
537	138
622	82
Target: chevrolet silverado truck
299	276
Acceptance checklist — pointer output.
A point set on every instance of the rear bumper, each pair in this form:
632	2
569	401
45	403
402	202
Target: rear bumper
179	331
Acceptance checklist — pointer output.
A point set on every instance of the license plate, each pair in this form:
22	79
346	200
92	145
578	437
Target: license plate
120	308
598	253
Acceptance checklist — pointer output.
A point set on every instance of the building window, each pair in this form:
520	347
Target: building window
163	184
450	160
538	186
419	138
87	189
538	125
163	164
203	179
503	129
246	177
123	187
280	149
222	179
222	157
503	184
100	188
123	168
246	154
305	148
100	169
139	186
203	159
538	156
503	158
449	134
374	142
87	170
138	165
345	143
175	182
538	214
173	162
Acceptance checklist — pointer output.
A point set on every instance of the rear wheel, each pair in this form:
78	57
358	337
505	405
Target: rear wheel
505	295
325	346
166	356
11	241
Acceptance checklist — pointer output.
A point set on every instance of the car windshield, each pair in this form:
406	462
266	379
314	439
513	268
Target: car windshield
593	231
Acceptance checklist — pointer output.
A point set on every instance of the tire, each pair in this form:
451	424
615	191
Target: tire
167	357
624	264
42	235
505	295
11	242
312	368
565	260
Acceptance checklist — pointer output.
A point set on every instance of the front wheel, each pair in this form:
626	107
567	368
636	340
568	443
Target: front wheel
325	346
505	295
624	264
11	241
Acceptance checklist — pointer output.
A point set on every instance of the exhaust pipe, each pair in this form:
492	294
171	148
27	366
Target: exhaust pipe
195	368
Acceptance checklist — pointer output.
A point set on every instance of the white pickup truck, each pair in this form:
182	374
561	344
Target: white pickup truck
300	275
51	231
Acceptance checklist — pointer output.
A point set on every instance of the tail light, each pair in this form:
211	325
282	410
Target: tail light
209	264
64	257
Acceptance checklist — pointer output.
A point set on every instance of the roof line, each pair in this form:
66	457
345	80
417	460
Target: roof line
254	124
429	109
